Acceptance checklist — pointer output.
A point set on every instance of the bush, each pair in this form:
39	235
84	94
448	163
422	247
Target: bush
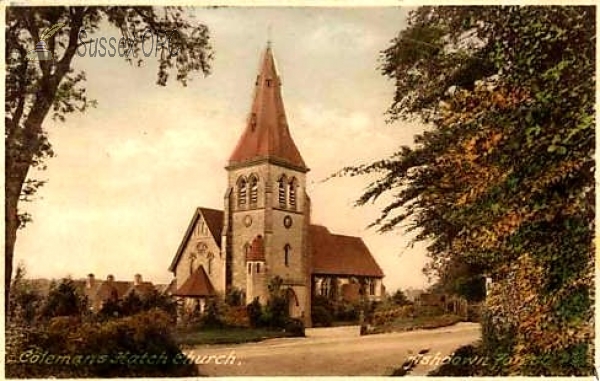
212	316
255	313
474	313
468	366
346	311
276	314
114	348
295	327
234	297
321	316
236	317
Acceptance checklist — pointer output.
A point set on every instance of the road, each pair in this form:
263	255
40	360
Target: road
334	355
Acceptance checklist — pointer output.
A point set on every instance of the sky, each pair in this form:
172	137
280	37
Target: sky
129	173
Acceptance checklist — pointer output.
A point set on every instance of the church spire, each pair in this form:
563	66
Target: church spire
267	135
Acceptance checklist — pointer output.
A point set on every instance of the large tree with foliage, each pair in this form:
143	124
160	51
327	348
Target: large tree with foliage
37	89
503	179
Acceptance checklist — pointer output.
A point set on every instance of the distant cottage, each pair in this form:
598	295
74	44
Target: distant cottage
264	230
99	292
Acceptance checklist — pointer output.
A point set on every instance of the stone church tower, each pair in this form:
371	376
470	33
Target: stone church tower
267	210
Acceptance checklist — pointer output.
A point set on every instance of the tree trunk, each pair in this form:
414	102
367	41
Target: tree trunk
20	149
15	175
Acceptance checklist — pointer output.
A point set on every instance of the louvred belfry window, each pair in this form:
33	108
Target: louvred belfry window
242	192
282	202
292	193
253	190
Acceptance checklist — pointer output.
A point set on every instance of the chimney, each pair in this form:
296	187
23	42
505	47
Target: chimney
110	278
137	279
90	281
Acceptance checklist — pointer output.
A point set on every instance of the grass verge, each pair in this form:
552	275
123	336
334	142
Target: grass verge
404	324
209	336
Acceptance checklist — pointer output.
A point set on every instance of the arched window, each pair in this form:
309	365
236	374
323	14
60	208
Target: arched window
249	267
282	185
242	191
193	257
253	190
246	249
210	263
287	250
258	268
292	193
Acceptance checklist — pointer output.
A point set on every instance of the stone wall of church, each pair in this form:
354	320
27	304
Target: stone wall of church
294	272
195	245
266	217
246	221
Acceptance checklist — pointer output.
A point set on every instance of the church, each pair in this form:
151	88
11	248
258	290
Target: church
264	230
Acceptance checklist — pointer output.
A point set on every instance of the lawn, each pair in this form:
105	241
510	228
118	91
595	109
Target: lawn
205	336
402	324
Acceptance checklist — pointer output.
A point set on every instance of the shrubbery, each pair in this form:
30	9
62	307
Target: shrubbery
213	315
58	336
255	313
326	311
321	316
468	366
66	346
132	304
275	314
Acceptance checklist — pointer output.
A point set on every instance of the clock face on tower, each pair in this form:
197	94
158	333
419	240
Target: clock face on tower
247	220
287	222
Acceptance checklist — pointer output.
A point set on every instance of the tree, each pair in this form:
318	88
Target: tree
400	298
131	304
35	89
25	300
502	181
277	305
64	300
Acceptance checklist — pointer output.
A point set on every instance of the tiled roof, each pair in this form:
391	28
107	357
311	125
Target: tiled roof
114	289
336	254
214	222
142	289
257	250
333	254
267	135
196	285
166	288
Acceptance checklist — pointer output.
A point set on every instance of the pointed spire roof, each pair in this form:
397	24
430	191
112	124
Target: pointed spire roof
267	135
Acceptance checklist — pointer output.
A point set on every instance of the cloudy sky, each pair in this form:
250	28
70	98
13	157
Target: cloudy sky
129	173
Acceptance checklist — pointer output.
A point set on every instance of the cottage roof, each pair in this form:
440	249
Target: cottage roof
115	289
142	289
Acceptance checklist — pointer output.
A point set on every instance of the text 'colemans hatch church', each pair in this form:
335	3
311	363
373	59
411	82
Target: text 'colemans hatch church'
265	230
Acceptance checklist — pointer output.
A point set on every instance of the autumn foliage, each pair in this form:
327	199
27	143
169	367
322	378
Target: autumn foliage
503	178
